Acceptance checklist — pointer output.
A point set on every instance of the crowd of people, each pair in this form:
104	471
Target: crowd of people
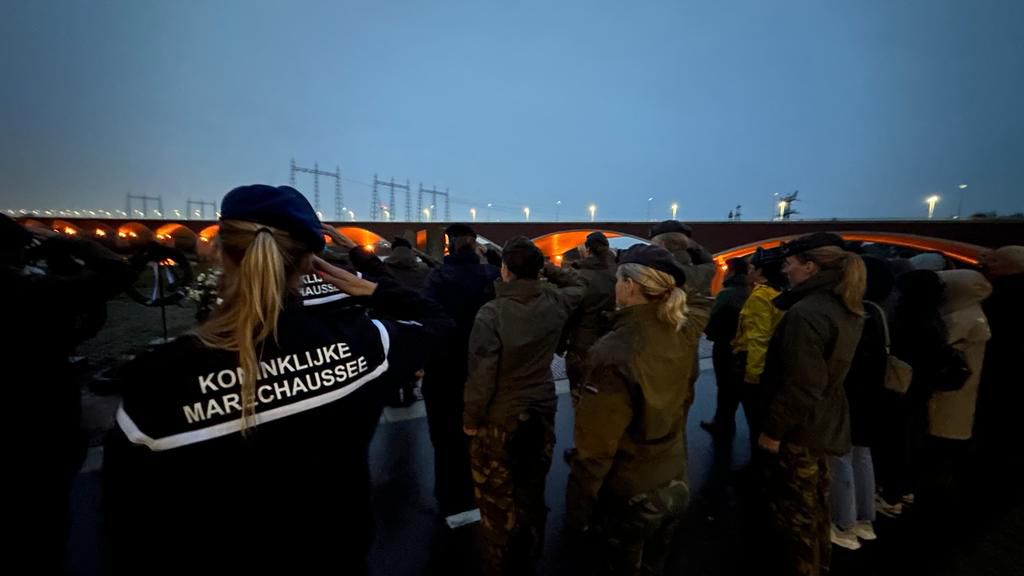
869	384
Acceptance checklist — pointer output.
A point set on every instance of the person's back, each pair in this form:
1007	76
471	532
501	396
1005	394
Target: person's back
406	268
951	413
722	325
628	483
243	445
510	404
178	455
652	450
525	319
461	285
590	321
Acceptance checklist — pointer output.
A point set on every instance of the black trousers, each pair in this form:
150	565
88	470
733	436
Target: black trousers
729	385
453	482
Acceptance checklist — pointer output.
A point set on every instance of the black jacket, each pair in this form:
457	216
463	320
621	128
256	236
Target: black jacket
865	382
808	358
183	486
725	313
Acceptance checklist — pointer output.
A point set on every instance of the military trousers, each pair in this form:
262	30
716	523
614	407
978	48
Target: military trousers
798	500
510	463
635	535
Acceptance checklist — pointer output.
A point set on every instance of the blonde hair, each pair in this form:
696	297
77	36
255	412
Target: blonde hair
261	262
853	283
656	285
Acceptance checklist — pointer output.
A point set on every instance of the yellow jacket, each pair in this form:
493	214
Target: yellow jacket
758	319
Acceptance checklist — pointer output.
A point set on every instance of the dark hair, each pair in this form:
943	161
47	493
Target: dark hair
493	256
462	244
772	272
399	242
737	265
918	328
522	257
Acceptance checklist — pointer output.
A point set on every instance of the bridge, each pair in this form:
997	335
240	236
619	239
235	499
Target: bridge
963	240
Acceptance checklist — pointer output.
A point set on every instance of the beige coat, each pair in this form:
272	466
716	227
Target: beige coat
951	414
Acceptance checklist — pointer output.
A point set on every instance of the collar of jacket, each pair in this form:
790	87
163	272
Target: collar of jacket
517	289
737	280
823	281
639	313
593	262
462	259
402	257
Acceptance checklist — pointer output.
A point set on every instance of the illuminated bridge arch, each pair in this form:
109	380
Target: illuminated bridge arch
966	254
556	244
134	233
178	236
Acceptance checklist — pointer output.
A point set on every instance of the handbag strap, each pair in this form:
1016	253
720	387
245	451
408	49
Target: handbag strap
885	324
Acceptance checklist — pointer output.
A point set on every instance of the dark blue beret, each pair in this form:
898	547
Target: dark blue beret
654	257
281	207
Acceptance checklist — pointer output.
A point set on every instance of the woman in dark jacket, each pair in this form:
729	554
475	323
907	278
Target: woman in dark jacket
918	338
242	447
853	474
807	417
628	478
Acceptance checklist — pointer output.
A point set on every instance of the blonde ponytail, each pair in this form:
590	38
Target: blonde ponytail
658	286
854	275
265	260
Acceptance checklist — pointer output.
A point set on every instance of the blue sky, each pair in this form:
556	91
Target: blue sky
866	107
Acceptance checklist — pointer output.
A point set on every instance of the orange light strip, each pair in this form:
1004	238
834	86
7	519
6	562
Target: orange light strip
967	253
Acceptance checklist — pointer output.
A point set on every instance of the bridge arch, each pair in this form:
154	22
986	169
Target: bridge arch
65	227
360	236
177	235
99	229
133	233
966	254
557	244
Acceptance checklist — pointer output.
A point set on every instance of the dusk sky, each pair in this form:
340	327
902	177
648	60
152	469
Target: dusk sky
867	107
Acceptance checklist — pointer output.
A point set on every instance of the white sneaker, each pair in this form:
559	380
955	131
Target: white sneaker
865	531
886	509
845	539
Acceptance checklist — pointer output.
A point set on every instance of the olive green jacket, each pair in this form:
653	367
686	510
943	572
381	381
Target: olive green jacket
512	344
630	422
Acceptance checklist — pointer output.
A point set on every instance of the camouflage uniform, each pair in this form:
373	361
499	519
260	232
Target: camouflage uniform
799	504
637	535
510	464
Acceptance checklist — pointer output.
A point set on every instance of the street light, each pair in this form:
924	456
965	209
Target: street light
960	204
489	204
932	201
782	210
526	211
426	214
558	207
649	200
472	214
352	215
675	208
593	210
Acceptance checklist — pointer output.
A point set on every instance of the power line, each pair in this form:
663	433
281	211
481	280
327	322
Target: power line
317	173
